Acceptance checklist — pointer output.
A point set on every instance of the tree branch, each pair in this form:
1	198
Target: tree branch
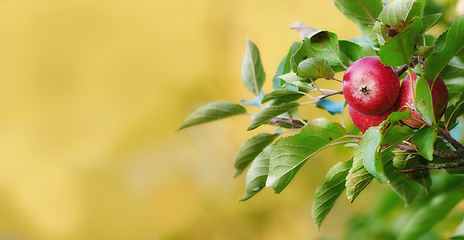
289	122
434	166
328	95
457	154
447	136
436	153
405	67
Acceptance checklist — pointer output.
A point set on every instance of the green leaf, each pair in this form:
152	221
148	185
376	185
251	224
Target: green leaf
382	32
270	112
445	50
430	20
315	68
284	66
396	133
367	50
290	153
291	78
453	112
430	214
324	44
257	174
459	234
400	11
326	195
211	112
455	89
253	75
301	54
403	186
454	69
349	52
295	83
423	101
363	13
375	138
400	48
423	178
282	94
358	177
372	158
425	139
250	150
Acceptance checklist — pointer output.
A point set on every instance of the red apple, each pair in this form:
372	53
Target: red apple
370	87
406	100
364	121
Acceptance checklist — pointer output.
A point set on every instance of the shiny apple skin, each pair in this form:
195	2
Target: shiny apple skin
370	87
406	100
364	121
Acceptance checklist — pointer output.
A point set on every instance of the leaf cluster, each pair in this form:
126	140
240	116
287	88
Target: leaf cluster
392	153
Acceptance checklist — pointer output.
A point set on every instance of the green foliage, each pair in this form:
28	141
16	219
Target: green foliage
358	177
454	69
315	68
350	52
324	44
445	50
257	174
430	214
270	112
400	11
253	75
363	13
399	49
423	101
290	153
285	65
424	139
393	153
431	20
374	140
211	112
301	54
327	193
250	150
401	184
453	112
282	95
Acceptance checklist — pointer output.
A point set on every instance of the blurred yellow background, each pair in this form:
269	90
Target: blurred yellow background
92	92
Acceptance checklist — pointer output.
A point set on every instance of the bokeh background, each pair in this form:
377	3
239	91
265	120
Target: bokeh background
91	95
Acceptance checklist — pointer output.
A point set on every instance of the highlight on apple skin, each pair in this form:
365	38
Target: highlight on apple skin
406	100
370	87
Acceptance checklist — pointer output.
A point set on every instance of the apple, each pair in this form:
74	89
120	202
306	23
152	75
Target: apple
370	87
364	121
406	100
